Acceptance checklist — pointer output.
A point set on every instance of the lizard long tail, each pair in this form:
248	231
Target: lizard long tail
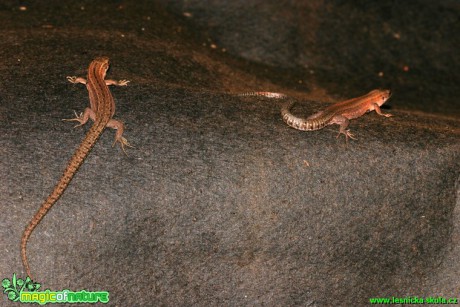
298	123
74	164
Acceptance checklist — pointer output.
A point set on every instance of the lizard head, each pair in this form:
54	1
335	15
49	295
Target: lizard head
381	96
102	60
100	64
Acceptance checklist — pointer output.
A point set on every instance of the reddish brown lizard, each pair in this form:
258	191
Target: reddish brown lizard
339	113
101	111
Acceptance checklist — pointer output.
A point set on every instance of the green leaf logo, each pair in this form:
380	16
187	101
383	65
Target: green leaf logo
14	287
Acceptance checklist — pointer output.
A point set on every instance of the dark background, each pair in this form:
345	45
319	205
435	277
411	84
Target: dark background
220	203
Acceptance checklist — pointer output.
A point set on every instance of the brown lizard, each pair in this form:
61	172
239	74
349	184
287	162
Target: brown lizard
339	113
101	111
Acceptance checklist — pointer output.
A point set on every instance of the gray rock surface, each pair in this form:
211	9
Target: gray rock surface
220	203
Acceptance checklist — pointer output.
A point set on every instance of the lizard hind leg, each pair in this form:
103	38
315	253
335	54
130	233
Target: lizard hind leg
82	118
347	134
119	127
343	122
123	142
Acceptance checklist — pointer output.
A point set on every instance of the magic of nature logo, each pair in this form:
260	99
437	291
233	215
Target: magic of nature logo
27	291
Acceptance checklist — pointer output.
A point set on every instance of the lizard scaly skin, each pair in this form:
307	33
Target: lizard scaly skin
101	111
339	113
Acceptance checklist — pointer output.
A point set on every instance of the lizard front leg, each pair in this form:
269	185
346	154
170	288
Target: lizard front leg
83	117
379	111
75	79
117	82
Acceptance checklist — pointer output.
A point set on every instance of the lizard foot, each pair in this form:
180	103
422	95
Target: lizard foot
117	82
123	142
123	82
72	79
347	134
78	118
